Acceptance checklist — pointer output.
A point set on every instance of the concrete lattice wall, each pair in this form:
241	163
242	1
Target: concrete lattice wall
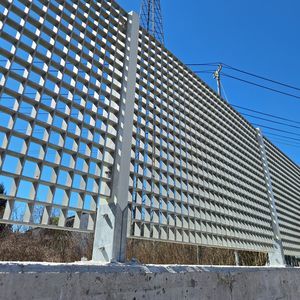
82	87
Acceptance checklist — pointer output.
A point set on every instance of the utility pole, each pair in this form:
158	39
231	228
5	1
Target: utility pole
217	76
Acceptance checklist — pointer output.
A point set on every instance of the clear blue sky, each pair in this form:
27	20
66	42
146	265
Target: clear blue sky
261	37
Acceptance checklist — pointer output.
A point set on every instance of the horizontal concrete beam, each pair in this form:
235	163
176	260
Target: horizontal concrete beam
118	281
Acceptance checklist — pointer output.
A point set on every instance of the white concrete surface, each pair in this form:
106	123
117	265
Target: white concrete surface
116	281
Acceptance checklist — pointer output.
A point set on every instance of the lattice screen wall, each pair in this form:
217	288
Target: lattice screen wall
196	174
196	171
61	73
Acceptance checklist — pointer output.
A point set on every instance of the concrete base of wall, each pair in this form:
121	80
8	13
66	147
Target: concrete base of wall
116	281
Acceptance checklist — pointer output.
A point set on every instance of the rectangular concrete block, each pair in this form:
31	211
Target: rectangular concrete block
37	281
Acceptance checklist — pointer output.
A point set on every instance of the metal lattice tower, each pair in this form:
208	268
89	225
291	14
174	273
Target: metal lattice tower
151	18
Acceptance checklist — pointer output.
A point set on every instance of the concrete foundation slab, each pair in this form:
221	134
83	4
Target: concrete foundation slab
119	281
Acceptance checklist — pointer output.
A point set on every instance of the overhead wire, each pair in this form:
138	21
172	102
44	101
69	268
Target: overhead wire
282	136
248	109
247	73
261	86
276	129
261	77
281	139
260	118
251	82
287	144
272	121
265	114
256	111
285	141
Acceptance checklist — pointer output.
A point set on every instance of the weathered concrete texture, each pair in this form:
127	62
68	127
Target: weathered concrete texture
114	281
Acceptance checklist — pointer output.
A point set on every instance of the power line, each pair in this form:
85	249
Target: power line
287	144
268	120
261	77
265	114
264	119
276	122
261	86
281	136
276	129
247	73
285	141
253	83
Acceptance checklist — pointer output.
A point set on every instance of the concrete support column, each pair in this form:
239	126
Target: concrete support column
276	257
236	258
112	215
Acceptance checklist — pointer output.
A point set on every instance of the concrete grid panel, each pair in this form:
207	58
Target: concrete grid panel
61	68
196	173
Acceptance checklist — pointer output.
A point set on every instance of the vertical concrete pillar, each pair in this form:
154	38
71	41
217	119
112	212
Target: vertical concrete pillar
276	257
112	215
236	258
